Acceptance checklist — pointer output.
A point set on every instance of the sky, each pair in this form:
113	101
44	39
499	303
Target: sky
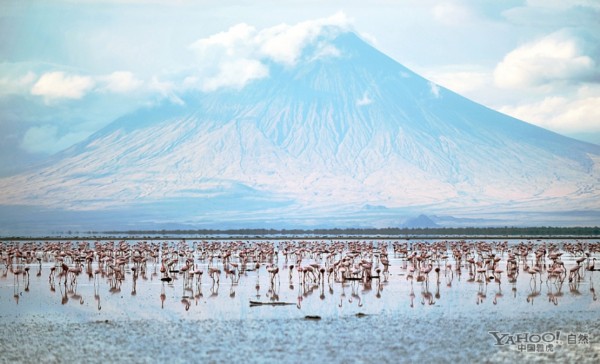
69	68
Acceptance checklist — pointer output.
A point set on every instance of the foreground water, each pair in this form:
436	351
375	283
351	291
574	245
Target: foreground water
455	314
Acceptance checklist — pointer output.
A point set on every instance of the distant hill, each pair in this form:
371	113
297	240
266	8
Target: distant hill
421	221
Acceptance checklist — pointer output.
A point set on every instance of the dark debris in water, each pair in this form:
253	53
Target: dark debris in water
258	303
312	317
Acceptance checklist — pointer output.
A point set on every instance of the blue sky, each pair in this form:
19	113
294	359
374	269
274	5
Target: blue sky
68	68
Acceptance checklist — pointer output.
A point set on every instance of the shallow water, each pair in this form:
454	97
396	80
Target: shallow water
147	320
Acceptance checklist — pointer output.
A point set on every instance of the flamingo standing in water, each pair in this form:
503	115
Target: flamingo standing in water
273	272
215	274
574	273
591	266
426	272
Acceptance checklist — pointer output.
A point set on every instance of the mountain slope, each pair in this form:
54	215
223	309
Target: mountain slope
321	139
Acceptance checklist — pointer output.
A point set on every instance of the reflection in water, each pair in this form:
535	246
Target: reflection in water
97	293
498	294
273	292
163	297
481	292
354	295
534	291
63	293
16	289
214	290
554	288
574	288
449	275
592	290
186	302
426	296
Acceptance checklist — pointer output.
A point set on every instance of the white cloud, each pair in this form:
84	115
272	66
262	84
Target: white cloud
120	82
451	13
558	57
563	114
562	4
365	100
284	43
556	14
370	39
325	50
166	89
47	139
236	41
236	73
10	85
58	85
239	55
460	79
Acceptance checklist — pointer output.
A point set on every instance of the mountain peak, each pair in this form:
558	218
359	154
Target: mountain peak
319	136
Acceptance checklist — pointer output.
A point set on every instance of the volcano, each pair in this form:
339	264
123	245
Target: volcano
342	138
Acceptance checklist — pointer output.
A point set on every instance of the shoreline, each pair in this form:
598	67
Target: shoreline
296	237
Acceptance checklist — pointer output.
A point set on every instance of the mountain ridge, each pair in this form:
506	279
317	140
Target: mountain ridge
319	140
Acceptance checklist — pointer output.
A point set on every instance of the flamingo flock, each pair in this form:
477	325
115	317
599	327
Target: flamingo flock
311	265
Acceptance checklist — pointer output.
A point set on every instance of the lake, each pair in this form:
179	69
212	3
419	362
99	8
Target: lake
379	300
